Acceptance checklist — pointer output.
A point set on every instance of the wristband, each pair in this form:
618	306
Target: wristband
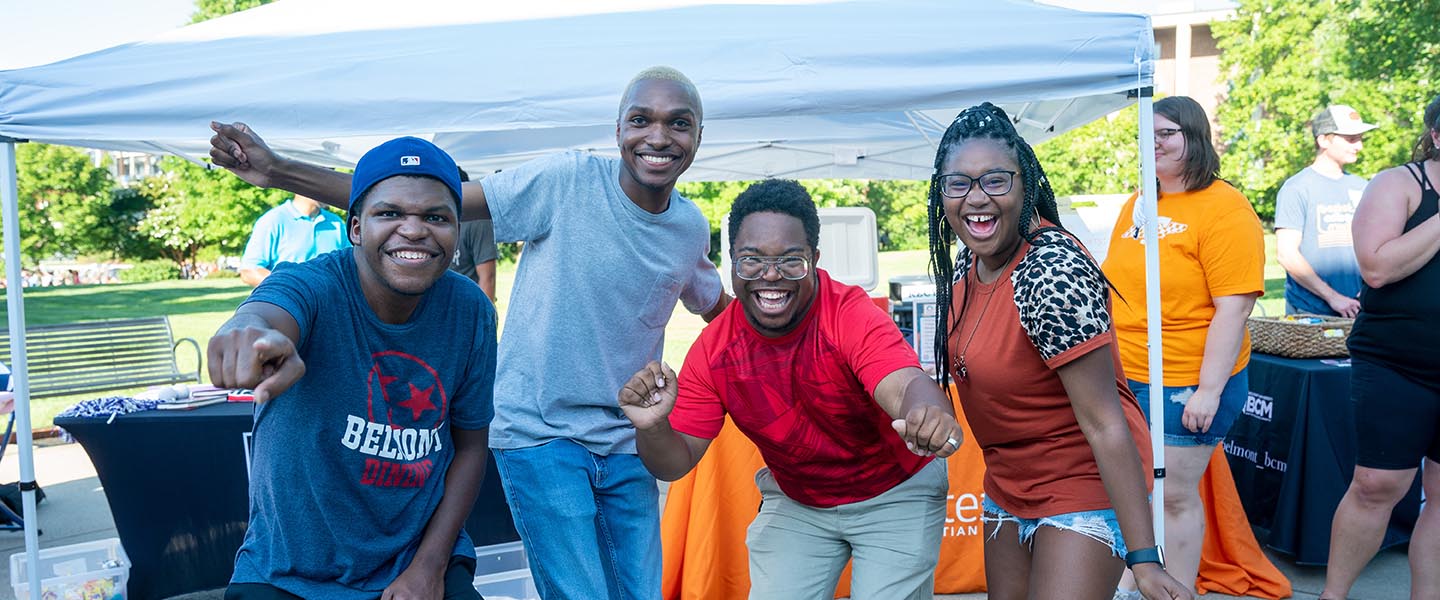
1153	554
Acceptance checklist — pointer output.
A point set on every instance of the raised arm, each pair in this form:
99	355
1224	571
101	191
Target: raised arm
256	349
647	400
241	151
424	577
1386	252
923	415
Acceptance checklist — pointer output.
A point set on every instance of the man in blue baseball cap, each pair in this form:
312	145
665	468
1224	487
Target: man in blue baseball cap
374	373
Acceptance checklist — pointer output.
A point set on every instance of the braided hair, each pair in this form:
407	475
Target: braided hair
983	122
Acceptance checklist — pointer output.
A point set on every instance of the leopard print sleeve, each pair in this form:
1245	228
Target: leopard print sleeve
1061	295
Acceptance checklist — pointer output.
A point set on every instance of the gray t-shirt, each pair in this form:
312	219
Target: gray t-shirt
596	284
1321	209
475	246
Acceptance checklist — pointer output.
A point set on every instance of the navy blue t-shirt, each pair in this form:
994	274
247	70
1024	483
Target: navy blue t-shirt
349	464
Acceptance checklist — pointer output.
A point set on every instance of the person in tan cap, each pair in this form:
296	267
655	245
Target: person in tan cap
1312	220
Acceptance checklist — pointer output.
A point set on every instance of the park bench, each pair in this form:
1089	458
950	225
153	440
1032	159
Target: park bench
96	356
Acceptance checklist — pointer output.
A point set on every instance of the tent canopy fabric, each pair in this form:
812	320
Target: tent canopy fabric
791	88
797	88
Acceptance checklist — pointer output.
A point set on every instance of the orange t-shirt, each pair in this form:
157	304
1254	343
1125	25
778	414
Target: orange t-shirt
1045	310
1211	245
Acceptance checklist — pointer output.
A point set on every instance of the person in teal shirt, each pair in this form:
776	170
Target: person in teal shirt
295	231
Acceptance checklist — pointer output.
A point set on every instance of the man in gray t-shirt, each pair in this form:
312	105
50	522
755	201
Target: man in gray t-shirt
609	249
1312	220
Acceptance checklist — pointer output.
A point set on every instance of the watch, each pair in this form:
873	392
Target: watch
1153	554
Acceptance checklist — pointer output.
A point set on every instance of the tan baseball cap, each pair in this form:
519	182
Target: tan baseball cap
1339	119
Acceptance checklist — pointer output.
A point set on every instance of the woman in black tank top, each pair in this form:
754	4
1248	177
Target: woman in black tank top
1395	379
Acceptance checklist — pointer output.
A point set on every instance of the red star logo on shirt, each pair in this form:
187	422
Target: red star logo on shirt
419	401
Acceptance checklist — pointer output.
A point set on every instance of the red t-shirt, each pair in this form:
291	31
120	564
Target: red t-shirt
1048	308
805	399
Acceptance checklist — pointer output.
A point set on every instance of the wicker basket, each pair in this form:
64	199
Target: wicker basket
1295	339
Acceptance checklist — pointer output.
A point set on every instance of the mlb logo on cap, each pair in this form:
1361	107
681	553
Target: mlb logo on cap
407	156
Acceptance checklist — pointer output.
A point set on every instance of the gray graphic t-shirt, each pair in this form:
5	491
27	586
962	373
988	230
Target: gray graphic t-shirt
1321	209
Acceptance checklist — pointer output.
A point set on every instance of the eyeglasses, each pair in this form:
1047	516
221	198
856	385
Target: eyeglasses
1165	133
751	268
993	183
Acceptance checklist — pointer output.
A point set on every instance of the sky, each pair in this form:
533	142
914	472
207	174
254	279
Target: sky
38	32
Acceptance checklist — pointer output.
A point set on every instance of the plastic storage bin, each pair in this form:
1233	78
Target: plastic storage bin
503	573
96	570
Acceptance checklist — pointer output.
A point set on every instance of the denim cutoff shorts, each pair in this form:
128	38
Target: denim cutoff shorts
1232	401
1099	525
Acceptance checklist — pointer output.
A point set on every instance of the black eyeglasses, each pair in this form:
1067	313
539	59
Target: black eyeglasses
1165	133
751	268
993	183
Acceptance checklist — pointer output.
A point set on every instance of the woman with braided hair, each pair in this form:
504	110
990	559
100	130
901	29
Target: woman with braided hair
1212	250
1024	332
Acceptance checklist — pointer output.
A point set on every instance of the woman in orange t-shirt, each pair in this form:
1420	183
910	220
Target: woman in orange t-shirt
1212	262
1024	329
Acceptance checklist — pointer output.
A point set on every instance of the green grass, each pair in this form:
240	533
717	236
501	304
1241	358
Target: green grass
198	308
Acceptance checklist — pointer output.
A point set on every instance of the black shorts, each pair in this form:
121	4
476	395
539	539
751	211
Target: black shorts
459	585
1397	418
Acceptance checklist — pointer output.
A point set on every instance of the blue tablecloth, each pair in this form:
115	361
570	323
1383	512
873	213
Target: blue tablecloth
1293	451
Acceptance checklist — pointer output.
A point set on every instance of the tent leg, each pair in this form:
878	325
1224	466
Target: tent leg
1148	208
19	368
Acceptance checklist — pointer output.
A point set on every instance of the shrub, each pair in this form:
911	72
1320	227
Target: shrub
150	270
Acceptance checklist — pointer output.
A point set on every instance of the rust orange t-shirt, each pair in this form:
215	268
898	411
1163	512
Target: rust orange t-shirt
1211	244
1045	310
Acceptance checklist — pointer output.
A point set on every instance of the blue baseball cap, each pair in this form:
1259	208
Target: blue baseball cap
404	156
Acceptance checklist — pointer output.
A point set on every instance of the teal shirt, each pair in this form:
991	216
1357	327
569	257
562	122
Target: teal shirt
282	234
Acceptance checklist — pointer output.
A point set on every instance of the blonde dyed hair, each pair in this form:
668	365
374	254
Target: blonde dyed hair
662	73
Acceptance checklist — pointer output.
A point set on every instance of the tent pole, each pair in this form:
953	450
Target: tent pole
1148	209
19	369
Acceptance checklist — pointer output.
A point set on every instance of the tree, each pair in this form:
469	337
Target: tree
899	206
121	237
1287	60
899	212
196	208
714	199
209	9
64	201
1099	158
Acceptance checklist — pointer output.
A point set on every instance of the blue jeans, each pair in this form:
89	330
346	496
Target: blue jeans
1232	401
590	523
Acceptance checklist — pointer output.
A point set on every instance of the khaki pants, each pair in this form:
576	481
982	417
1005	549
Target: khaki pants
797	552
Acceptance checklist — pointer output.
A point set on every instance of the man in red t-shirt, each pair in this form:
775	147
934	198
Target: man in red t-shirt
824	385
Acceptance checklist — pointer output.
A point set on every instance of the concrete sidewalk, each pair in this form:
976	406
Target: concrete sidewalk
75	511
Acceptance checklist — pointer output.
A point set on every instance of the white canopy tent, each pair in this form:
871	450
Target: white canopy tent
791	88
